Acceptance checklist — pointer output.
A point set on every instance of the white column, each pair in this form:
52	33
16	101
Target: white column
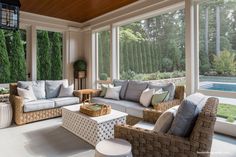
114	53
196	46
32	42
94	67
189	47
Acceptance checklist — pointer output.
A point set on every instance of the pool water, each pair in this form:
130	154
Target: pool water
220	86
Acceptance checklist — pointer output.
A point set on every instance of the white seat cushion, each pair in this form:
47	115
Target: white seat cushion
38	105
65	101
130	107
144	125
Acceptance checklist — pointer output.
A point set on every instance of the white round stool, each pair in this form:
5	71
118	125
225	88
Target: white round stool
5	115
113	148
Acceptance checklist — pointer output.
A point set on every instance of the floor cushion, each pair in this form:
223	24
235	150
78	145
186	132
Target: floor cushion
38	105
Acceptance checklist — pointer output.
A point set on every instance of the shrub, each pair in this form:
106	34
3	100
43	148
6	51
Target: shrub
103	76
167	63
225	63
80	65
128	75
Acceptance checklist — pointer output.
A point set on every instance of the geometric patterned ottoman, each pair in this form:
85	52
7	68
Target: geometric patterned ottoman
91	129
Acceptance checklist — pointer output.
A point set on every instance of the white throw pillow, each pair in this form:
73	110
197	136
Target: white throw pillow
27	94
164	122
66	91
113	93
146	97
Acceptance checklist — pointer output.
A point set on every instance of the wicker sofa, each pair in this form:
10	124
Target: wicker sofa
135	110
150	144
37	110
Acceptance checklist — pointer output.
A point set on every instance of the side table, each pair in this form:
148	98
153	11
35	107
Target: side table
113	147
5	115
86	94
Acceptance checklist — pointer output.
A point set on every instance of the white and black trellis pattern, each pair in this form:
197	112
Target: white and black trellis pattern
89	129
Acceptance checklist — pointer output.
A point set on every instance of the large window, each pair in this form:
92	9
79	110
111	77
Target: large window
217	50
103	44
153	49
49	55
12	56
218	45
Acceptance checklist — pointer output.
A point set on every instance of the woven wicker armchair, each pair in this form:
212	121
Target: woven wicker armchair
20	117
150	144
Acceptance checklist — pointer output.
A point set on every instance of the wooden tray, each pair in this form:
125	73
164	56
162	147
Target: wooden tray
95	110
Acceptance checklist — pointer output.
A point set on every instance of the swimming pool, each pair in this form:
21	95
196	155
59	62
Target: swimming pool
219	86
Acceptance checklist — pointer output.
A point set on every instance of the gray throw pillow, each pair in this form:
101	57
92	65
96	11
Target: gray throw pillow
53	87
123	84
186	115
66	91
113	93
170	87
135	89
37	86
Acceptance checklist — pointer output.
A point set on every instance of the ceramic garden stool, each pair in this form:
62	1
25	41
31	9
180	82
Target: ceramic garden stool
5	115
113	148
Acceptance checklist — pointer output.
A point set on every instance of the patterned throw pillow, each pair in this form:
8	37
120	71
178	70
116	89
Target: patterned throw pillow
104	89
160	96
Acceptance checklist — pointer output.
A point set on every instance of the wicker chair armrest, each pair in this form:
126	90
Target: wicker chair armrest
203	130
180	92
148	142
163	106
17	103
151	115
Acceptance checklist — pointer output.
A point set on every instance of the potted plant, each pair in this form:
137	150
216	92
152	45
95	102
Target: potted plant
80	67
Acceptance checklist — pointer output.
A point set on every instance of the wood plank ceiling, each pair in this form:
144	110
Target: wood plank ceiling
73	10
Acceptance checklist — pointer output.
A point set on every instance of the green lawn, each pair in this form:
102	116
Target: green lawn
227	111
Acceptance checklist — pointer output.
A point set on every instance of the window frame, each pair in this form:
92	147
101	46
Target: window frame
96	55
226	94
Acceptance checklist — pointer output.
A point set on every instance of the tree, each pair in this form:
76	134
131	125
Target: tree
4	61
56	57
44	56
17	58
225	63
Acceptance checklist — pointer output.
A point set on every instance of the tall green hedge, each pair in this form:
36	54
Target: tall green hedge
17	58
4	60
56	57
43	56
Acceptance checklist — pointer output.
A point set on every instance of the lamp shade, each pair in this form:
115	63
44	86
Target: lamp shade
9	14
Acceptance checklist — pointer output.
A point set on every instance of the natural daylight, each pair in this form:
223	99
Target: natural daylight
118	78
